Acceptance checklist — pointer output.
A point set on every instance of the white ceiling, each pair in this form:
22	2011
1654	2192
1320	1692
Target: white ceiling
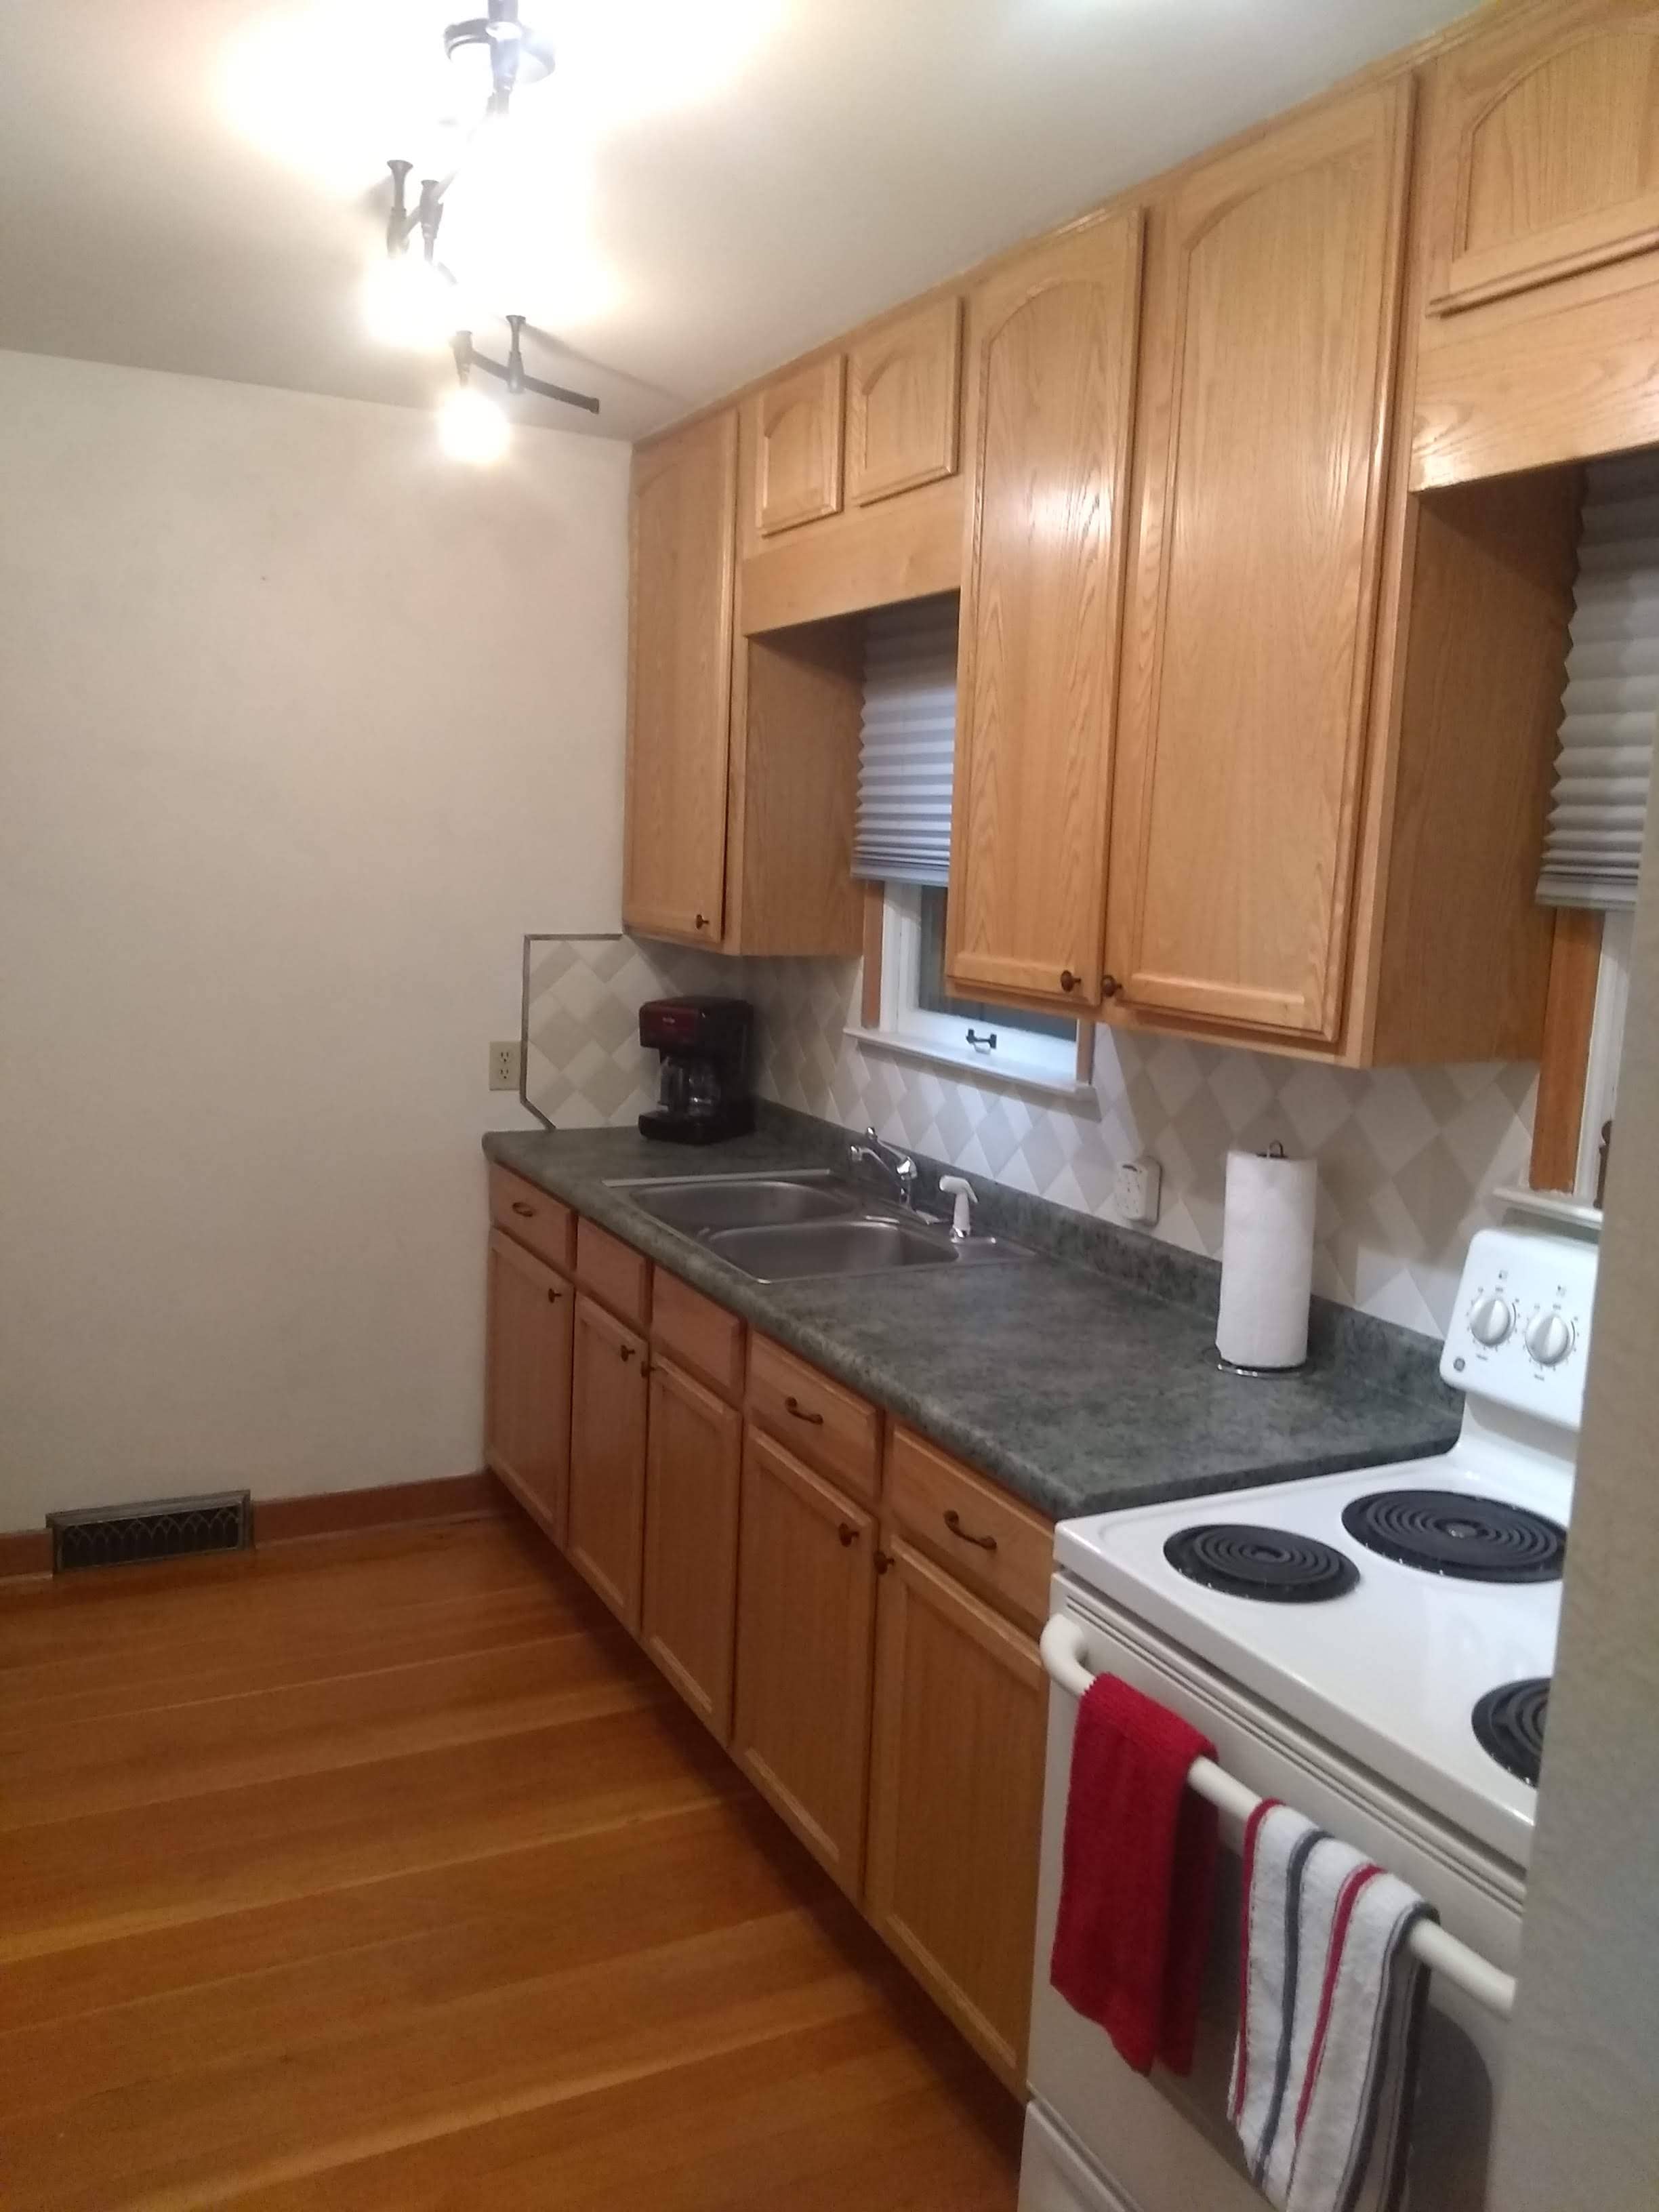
698	192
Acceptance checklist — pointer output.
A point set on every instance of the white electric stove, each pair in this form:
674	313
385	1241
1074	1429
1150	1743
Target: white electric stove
1375	1648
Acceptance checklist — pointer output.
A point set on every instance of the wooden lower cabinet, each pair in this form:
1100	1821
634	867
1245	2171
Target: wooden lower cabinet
694	1461
956	1802
527	1380
606	1525
806	1592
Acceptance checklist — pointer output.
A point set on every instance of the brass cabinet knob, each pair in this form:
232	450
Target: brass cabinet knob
848	1533
701	921
1067	980
1109	986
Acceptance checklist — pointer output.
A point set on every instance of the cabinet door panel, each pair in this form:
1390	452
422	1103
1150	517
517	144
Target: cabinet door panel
1547	159
798	460
956	1802
1271	314
607	1458
805	1607
527	1380
902	383
1051	381
683	552
688	1611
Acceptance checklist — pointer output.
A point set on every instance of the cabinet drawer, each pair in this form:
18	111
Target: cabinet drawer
613	1272
530	1218
987	1539
698	1334
833	1430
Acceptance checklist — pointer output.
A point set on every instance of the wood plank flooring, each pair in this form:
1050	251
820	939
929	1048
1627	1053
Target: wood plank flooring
384	1871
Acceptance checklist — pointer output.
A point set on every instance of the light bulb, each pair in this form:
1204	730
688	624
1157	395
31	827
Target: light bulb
471	426
406	302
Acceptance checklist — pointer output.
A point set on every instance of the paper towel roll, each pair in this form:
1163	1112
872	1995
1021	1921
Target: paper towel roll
1267	1261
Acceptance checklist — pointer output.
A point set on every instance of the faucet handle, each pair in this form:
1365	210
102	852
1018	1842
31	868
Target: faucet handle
958	1187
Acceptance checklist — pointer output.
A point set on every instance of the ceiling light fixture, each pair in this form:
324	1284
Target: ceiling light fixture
472	427
516	56
413	301
511	370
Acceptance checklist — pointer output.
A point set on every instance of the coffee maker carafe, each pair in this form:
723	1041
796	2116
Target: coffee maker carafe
703	1094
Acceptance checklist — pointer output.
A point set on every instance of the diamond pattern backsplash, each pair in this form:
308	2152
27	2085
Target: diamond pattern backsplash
1406	1155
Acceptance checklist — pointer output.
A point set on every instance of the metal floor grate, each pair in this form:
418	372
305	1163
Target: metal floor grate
166	1528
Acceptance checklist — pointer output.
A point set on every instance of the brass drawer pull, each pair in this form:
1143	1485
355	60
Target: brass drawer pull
953	1522
526	1213
848	1533
794	1406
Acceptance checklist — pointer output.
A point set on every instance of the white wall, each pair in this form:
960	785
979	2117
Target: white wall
301	728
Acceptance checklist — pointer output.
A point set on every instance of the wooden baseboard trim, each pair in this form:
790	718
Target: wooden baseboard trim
27	1551
389	1505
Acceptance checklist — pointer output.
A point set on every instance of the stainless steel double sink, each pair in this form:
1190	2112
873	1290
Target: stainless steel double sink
805	1222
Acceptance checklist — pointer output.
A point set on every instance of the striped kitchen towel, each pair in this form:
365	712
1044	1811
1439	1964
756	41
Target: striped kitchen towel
1330	2013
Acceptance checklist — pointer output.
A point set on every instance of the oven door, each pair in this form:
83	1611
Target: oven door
1164	2144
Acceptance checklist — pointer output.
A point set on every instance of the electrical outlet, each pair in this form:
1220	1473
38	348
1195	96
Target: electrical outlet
1139	1183
506	1064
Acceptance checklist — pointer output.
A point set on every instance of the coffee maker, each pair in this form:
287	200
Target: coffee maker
705	1094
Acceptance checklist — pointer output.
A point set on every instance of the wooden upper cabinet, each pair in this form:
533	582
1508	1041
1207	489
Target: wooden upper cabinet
1271	310
798	442
1050	386
1546	158
903	383
683	552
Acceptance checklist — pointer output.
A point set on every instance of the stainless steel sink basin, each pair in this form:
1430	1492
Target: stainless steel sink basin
805	1222
699	1203
867	1247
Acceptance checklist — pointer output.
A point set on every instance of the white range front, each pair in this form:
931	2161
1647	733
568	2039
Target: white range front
1358	1708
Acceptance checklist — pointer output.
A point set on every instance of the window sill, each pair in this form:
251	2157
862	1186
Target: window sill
1007	1074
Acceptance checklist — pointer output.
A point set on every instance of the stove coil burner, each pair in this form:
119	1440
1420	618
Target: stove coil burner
1445	1533
1509	1725
1268	1564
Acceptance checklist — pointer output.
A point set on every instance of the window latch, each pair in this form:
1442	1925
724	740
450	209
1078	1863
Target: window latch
983	1043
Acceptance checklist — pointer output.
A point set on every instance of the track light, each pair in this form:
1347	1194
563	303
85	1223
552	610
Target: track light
472	427
514	54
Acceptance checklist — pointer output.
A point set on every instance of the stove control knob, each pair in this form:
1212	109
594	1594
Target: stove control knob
1549	1339
1491	1320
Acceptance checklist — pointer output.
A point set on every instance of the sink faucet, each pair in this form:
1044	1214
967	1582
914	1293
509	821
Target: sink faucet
898	1166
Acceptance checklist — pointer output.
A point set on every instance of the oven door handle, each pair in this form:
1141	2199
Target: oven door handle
1064	1657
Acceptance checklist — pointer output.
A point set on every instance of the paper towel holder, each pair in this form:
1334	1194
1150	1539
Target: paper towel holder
1275	1150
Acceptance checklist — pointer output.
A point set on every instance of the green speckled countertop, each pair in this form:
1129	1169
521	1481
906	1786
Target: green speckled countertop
1082	1387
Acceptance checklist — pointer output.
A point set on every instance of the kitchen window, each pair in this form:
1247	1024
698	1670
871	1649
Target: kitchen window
902	852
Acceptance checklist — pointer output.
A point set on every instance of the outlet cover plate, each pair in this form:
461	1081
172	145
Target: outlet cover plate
506	1065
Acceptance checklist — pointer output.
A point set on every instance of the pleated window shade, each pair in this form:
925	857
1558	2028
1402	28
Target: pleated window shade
1604	764
907	749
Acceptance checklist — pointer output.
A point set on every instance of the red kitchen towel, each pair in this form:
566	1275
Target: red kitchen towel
1137	1887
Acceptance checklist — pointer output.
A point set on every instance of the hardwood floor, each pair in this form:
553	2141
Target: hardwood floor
385	1871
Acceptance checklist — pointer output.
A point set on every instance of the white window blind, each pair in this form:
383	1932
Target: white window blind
1593	846
907	748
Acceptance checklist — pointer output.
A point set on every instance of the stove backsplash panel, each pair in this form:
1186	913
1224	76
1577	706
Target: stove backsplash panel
1405	1155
